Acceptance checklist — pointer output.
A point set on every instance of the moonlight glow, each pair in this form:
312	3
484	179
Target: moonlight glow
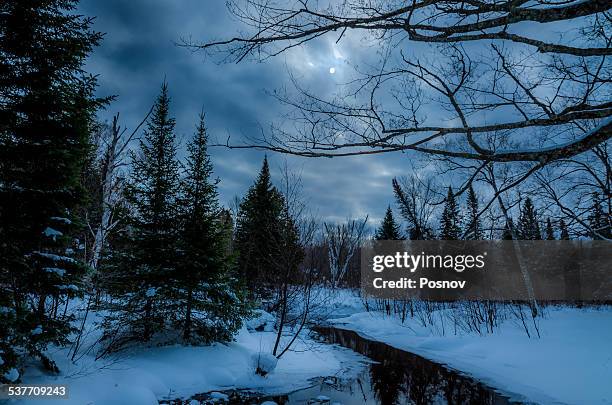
332	70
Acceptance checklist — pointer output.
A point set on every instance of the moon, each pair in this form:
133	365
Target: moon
332	70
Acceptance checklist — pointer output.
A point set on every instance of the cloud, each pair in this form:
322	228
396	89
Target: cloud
139	51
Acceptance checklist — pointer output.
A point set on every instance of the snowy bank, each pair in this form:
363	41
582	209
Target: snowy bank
571	363
145	376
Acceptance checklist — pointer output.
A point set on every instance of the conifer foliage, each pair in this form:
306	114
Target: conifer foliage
529	225
389	229
146	266
46	113
473	226
450	228
550	232
170	275
564	232
600	222
208	299
259	225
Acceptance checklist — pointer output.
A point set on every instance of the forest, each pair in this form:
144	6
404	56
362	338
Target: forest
121	250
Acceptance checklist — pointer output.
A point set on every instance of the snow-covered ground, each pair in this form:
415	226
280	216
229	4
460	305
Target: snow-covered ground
150	374
570	364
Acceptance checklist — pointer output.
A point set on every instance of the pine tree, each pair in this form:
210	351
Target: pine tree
258	227
564	233
46	116
599	222
389	229
205	293
449	226
529	226
473	227
142	272
550	233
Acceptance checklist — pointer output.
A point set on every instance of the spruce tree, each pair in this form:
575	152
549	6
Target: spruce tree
564	233
258	227
529	226
46	116
473	226
599	221
141	274
449	226
206	296
389	229
550	233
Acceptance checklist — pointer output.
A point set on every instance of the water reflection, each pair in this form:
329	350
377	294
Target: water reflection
395	377
399	377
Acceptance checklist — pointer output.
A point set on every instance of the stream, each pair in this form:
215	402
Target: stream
394	377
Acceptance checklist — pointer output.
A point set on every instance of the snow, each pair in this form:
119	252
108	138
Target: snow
12	375
261	321
264	363
151	292
37	331
218	396
571	363
149	374
58	271
52	233
6	310
55	258
71	287
62	220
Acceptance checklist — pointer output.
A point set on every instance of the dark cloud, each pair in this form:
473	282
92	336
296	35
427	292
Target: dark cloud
139	51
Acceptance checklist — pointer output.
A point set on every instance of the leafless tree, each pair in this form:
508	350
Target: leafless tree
113	143
294	298
343	242
570	185
536	71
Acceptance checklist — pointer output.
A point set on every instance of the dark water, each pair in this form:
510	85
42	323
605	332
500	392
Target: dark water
395	377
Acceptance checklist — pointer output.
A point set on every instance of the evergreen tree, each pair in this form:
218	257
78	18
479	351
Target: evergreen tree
473	227
599	222
46	114
507	233
389	229
143	271
258	227
206	295
564	233
449	227
529	226
550	233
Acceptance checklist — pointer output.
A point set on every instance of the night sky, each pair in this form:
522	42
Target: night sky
139	50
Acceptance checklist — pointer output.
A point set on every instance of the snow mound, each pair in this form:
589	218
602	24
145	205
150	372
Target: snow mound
262	322
12	375
264	363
